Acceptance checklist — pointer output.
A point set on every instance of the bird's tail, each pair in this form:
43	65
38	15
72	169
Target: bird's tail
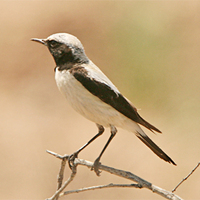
159	152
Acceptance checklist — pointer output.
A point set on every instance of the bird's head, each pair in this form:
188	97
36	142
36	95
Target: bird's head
65	48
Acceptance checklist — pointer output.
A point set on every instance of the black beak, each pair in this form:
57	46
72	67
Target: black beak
42	41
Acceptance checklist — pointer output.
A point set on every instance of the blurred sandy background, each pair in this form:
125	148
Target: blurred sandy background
150	50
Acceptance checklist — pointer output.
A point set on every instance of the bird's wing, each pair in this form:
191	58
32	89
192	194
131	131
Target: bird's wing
109	94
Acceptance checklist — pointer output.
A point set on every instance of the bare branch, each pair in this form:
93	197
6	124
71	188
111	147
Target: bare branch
57	155
130	176
141	183
100	187
186	177
60	177
61	173
62	167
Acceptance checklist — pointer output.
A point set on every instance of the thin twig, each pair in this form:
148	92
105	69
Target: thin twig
62	167
66	183
57	155
61	173
111	185
186	177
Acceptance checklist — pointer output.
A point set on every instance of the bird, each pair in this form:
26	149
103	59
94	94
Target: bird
90	92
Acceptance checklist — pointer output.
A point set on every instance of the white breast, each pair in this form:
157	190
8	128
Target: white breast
84	102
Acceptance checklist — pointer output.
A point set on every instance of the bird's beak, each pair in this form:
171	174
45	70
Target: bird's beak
42	41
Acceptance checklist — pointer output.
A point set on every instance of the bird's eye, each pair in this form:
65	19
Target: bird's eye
53	43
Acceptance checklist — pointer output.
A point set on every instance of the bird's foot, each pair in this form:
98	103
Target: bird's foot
95	167
71	159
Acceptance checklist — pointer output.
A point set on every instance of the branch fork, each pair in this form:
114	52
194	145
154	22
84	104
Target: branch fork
140	183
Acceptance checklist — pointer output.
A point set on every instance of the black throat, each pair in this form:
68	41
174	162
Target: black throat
69	59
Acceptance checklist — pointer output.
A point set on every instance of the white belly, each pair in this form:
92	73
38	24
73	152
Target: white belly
84	102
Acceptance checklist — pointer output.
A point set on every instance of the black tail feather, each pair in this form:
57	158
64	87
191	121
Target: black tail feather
159	152
147	124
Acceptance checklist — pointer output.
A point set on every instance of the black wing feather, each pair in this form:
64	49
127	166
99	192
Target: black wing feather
107	95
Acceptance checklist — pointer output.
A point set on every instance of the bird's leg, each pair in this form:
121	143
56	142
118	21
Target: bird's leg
72	157
96	162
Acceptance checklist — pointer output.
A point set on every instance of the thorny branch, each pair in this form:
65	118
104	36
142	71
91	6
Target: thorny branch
141	183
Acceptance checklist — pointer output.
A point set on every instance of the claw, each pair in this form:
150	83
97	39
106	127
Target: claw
71	159
95	167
